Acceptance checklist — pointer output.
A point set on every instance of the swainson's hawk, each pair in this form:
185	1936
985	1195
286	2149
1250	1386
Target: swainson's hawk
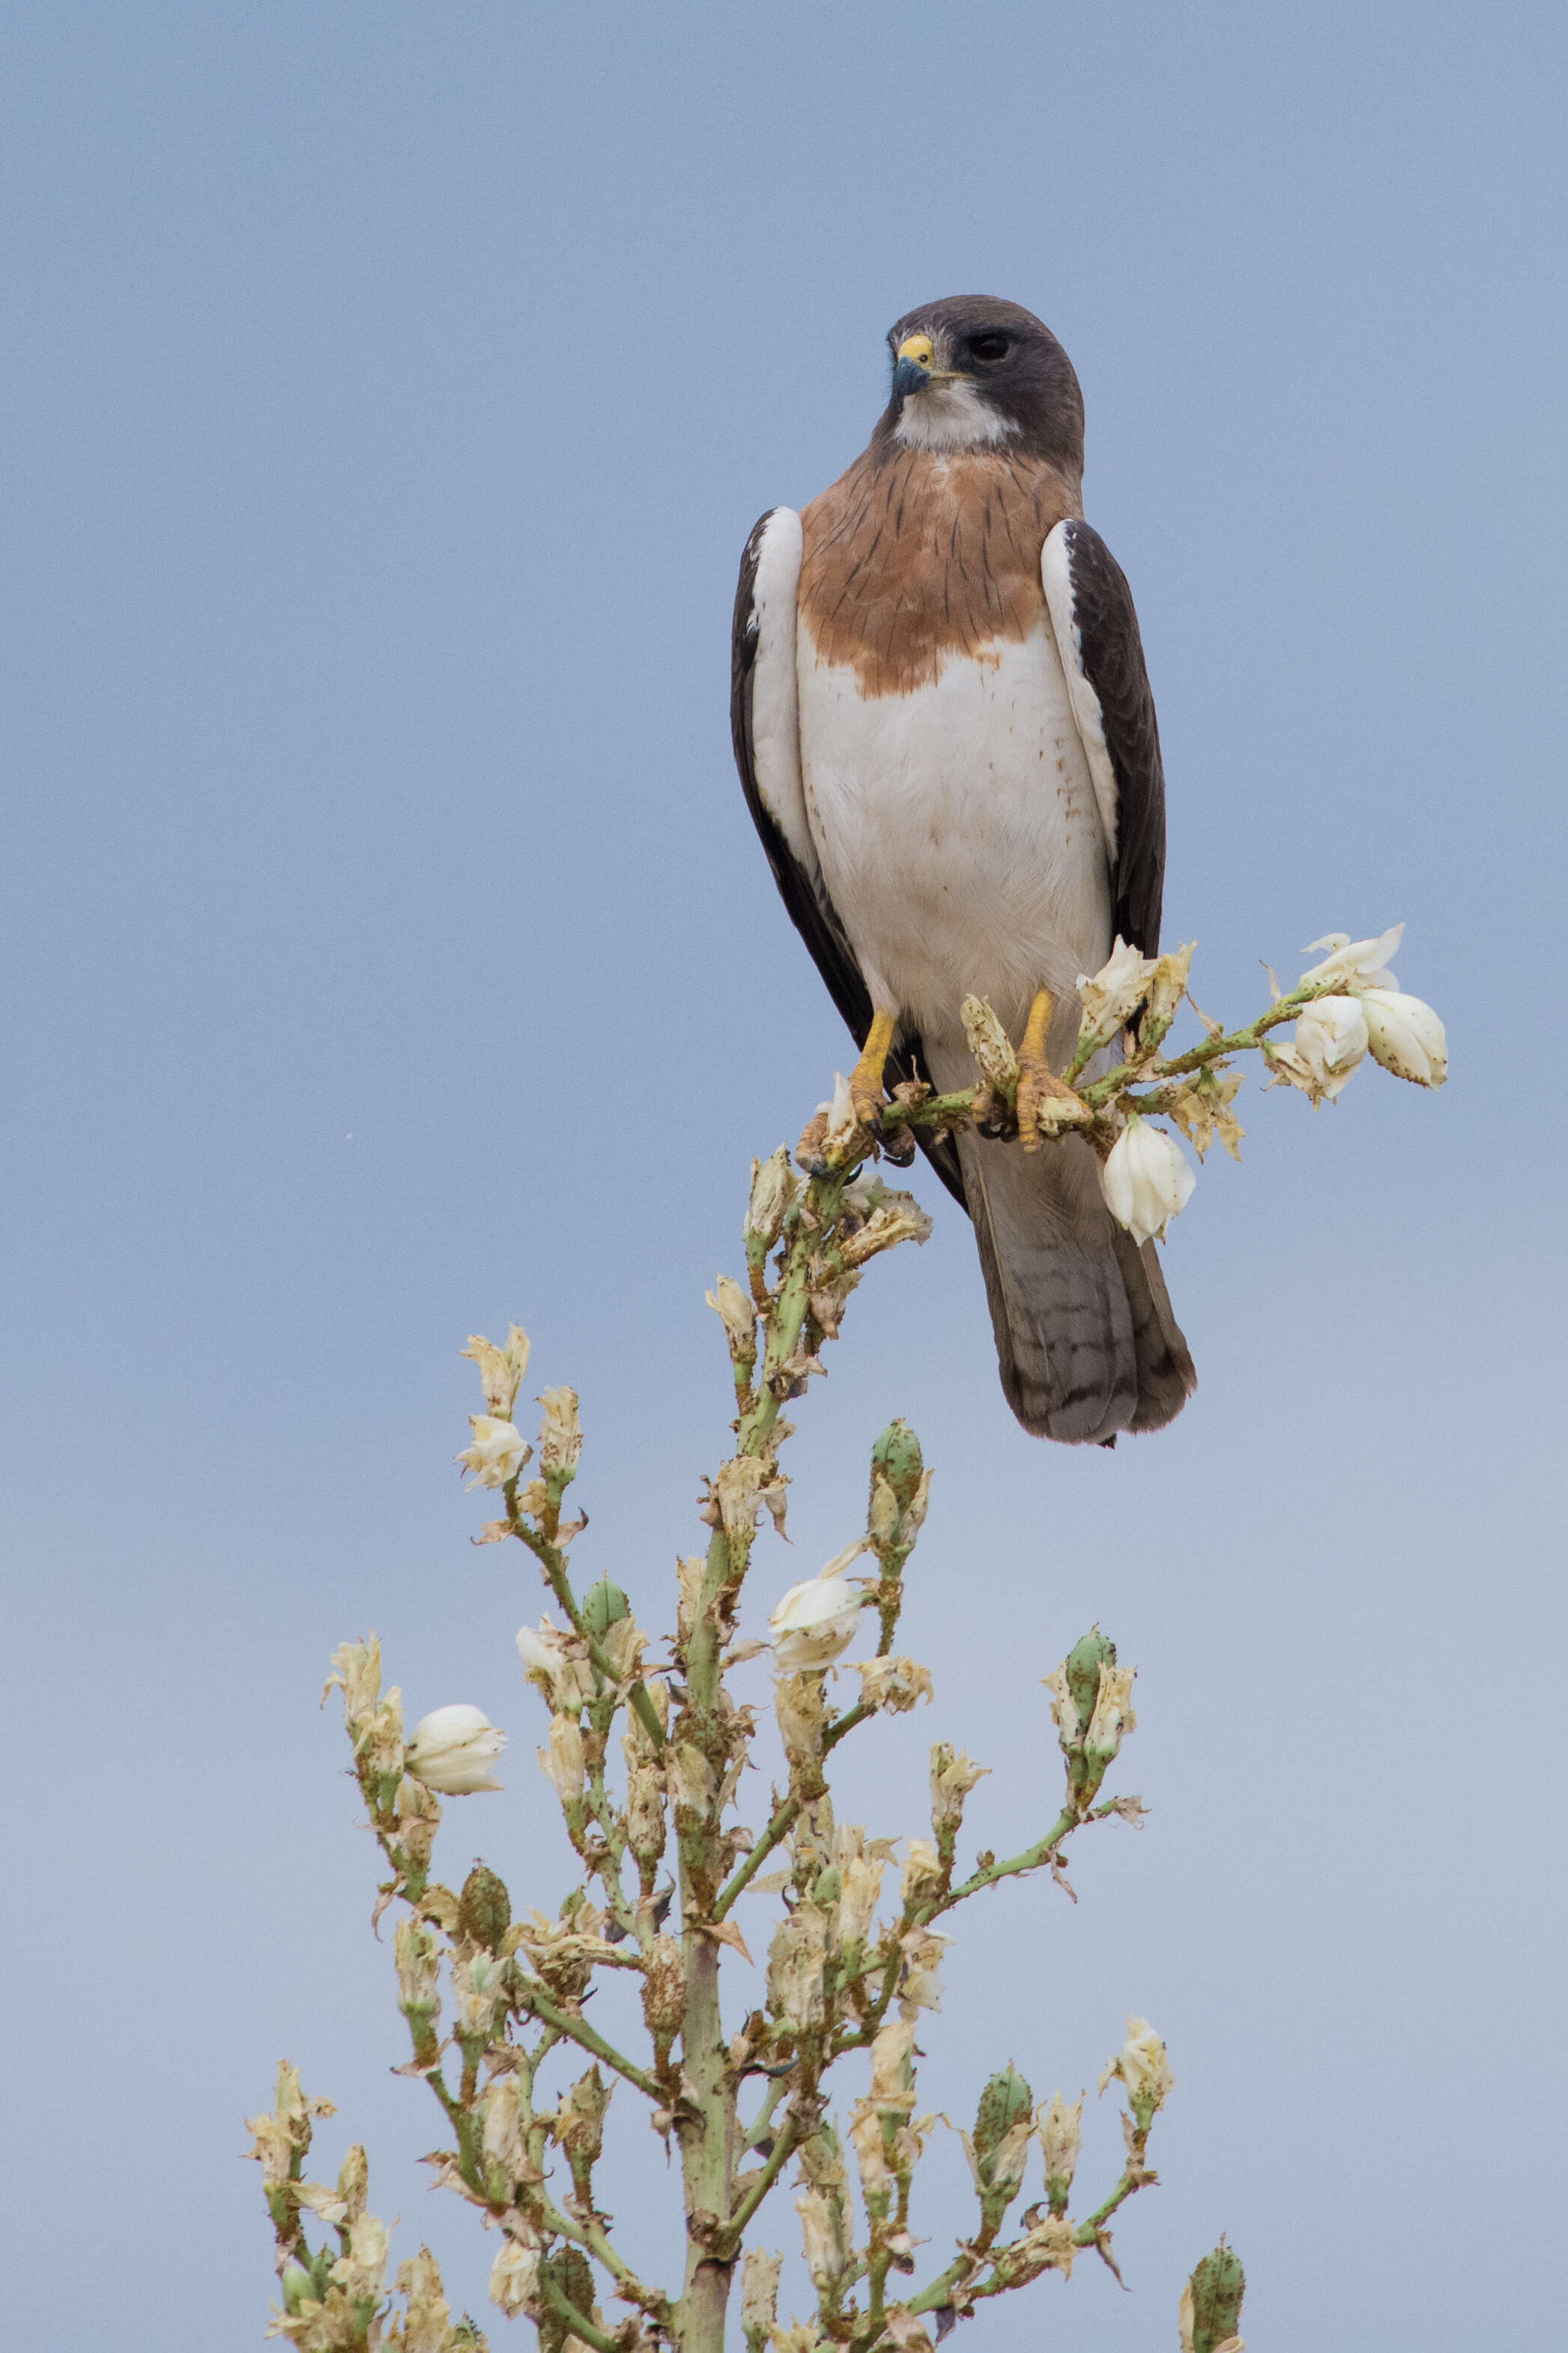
946	736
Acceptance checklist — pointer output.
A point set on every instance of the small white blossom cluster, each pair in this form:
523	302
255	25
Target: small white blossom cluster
1346	1005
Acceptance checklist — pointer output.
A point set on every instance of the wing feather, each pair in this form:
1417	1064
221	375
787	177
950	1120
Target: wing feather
1096	629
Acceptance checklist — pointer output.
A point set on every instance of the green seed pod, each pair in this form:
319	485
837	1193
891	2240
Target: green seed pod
1004	2103
829	1887
1218	2287
604	1605
295	2284
484	1908
897	1455
568	2267
468	2336
1084	1662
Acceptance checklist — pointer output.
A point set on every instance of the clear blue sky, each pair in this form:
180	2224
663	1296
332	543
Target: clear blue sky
388	394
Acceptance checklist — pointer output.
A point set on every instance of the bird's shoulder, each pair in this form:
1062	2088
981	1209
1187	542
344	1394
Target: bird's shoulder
914	557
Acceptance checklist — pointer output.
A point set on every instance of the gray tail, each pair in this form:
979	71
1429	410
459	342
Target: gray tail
1085	1335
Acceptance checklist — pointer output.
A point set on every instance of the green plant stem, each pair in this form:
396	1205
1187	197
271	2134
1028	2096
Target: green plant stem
552	1561
785	1819
1031	1859
532	1997
783	2149
1088	2230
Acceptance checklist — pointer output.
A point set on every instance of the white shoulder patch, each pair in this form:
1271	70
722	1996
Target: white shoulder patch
1056	578
775	708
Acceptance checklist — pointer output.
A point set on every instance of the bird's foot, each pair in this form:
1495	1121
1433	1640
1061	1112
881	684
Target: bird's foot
993	1114
859	1120
866	1079
897	1139
1045	1103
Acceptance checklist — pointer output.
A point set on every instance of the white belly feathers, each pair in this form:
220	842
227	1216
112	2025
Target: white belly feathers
958	831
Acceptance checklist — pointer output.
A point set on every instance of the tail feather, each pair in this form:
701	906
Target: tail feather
1086	1339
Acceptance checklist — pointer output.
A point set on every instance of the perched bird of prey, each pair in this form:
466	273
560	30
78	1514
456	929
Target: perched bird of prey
946	738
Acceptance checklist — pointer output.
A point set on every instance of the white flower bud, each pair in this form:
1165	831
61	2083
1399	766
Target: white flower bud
1406	1036
453	1749
773	1188
417	1955
815	1621
1112	1712
378	1737
501	2137
479	1993
953	1775
735	1310
1167	986
1064	1707
500	1369
356	1670
361	2270
498	1454
426	2326
822	2232
892	2067
877	1218
1147	1180
870	2150
1114	995
760	2292
922	1877
989	1043
563	1763
514	2282
566	1681
859	1896
1144	2067
1329	1046
840	1112
740	1488
560	1436
894	1683
919	1981
802	1711
796	1960
353	2180
1356	964
1059	2128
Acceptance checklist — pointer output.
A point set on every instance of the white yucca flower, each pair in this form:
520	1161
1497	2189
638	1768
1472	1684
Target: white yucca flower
1406	1036
817	1620
1111	996
1147	1180
453	1749
1355	963
498	1452
1329	1045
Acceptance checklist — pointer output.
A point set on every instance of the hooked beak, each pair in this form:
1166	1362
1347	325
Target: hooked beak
914	369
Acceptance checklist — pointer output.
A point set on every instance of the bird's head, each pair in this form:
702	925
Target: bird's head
970	371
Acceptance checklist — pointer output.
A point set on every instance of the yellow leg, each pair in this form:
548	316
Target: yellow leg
1043	1100
865	1078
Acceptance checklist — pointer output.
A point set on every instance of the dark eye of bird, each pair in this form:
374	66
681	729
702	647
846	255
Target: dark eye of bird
989	347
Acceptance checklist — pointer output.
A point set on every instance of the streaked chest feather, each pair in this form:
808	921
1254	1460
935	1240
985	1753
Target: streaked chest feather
957	827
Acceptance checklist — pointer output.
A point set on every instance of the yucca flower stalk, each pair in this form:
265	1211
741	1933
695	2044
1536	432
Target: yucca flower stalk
848	1923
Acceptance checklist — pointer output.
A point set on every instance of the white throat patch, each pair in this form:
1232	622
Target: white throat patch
950	416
